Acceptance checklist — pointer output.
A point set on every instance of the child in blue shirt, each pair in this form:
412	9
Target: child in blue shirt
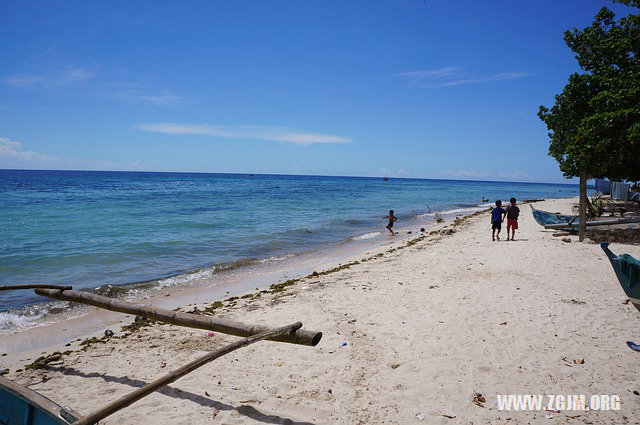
497	217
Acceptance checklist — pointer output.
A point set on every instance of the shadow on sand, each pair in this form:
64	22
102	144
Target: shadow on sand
169	391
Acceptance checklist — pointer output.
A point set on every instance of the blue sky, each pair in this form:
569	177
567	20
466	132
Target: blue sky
411	88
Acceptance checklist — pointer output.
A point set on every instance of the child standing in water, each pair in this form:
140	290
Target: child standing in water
512	218
392	219
497	217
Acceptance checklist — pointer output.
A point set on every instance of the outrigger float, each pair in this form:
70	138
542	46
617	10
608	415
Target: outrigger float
22	406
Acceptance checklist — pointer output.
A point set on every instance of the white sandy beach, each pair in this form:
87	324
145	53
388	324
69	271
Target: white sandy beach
426	327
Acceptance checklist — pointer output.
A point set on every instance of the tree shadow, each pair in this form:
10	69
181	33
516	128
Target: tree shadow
169	391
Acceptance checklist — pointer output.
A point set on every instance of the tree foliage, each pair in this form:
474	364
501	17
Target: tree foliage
594	125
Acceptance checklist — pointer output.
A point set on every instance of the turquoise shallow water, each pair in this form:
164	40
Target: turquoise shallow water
91	229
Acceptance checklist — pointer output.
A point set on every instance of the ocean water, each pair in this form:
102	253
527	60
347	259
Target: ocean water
113	231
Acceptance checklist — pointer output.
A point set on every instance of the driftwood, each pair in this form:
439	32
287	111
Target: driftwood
136	395
231	327
625	220
33	286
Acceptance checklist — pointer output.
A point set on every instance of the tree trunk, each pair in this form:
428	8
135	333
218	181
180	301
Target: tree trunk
583	206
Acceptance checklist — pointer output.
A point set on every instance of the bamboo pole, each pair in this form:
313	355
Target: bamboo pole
231	327
136	395
33	286
625	220
582	225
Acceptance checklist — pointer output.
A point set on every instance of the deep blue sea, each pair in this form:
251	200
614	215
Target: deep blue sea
92	229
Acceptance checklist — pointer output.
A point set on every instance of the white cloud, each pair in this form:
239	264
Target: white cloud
93	85
63	78
465	174
129	92
11	152
274	134
113	165
470	173
514	175
13	155
454	76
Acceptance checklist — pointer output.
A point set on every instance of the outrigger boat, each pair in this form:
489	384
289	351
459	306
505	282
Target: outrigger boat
570	222
22	406
544	218
627	271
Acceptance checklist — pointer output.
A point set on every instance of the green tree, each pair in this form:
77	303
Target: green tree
594	125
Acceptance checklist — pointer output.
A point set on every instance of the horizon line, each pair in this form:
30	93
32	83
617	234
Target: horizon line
289	175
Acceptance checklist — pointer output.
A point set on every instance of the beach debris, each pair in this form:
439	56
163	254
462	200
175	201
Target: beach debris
343	344
447	231
420	416
422	229
503	323
561	233
43	361
576	361
625	302
394	365
636	392
549	416
574	301
567	240
448	416
210	334
479	399
633	346
108	333
304	288
409	232
4	354
4	371
315	274
207	394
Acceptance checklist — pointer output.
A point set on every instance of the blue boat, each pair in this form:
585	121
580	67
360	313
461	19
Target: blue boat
21	406
544	218
627	271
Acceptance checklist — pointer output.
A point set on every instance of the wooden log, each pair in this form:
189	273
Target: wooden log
231	327
625	220
33	286
136	395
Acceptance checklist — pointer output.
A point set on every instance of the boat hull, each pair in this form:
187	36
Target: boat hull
22	406
545	218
